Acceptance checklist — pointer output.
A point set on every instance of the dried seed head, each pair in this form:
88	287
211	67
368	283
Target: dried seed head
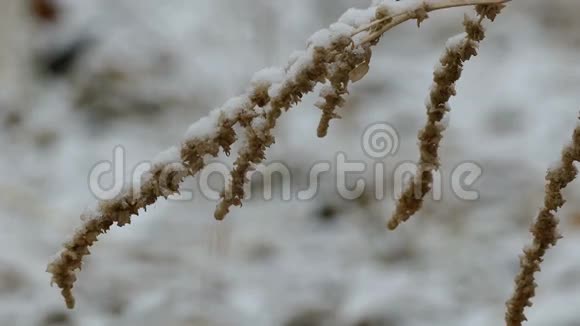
459	49
489	11
545	232
420	15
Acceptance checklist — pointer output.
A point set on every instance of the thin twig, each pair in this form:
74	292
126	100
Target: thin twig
423	8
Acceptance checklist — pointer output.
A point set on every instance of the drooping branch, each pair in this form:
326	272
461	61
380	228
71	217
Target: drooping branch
272	91
459	50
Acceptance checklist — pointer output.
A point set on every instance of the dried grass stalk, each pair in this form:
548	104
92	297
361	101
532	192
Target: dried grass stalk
328	57
544	231
459	50
351	67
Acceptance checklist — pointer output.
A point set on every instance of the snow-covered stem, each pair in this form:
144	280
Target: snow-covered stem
348	68
419	10
544	230
459	49
330	54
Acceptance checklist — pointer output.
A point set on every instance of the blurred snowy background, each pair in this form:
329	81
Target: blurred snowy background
78	78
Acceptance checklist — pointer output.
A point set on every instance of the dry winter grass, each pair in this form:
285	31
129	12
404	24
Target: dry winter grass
337	57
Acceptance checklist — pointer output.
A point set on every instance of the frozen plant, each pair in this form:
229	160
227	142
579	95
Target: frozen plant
337	57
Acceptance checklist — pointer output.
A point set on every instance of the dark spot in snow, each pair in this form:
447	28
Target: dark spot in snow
327	212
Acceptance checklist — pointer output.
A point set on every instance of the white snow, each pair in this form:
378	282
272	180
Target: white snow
90	212
341	29
327	90
321	38
168	156
268	76
444	124
357	17
456	42
205	128
274	261
234	106
259	122
399	7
